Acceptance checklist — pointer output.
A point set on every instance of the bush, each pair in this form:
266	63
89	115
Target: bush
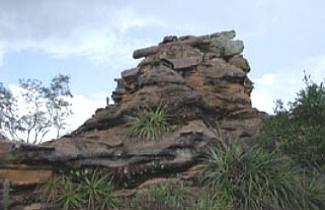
50	190
207	202
161	197
6	194
314	190
69	197
88	189
148	124
252	179
300	130
97	190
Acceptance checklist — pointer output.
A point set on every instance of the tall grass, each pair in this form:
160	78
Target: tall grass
89	189
161	197
253	179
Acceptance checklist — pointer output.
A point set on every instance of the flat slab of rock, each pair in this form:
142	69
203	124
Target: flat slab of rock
25	176
183	63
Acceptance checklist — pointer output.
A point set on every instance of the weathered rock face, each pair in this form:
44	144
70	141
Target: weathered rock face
201	81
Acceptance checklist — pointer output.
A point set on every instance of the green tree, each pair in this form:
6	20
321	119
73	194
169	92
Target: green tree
299	130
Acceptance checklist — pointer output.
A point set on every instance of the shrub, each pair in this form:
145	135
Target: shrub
161	197
148	124
300	130
69	197
96	189
309	106
207	202
314	190
6	194
50	190
87	189
252	179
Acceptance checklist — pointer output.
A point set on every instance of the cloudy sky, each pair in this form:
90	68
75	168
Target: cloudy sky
93	40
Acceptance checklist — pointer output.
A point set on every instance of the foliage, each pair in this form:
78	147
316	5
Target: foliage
309	106
70	196
313	184
161	197
87	188
148	124
7	108
252	179
6	194
97	190
45	108
50	190
208	202
300	130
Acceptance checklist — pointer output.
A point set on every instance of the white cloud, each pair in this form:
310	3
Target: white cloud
286	82
83	108
93	29
266	79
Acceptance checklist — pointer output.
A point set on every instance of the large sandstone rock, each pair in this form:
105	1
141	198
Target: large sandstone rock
201	81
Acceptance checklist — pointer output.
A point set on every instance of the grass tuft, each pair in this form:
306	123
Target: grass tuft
252	179
148	124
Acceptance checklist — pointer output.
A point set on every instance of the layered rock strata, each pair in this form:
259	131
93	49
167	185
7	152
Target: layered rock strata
200	81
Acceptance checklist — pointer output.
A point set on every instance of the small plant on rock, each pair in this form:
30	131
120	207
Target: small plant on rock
89	189
97	190
70	197
50	190
148	124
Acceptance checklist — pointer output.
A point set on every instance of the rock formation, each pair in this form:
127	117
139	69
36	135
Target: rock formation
201	81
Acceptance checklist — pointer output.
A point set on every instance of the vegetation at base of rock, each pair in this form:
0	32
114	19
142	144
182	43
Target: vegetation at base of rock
299	131
208	202
313	183
89	189
51	189
148	123
250	179
161	197
70	197
6	194
176	196
255	179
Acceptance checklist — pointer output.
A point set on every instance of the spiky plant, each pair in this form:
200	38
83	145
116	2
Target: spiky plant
85	188
97	190
252	179
149	123
50	190
70	196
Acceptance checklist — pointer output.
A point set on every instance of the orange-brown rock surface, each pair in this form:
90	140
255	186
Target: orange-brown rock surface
201	81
